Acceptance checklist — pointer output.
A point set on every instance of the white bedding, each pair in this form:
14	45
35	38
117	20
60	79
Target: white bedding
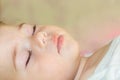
109	67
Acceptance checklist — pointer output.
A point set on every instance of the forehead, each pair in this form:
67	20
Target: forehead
7	36
6	45
7	31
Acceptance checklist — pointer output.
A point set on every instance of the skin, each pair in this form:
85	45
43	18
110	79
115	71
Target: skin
88	64
48	61
45	62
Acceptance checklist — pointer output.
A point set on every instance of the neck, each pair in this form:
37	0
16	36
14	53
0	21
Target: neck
88	64
81	68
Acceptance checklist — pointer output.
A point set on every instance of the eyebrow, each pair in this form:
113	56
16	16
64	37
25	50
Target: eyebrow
20	26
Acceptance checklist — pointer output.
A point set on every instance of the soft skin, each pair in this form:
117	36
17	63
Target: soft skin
34	52
45	62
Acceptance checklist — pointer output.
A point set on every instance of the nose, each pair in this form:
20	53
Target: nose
42	38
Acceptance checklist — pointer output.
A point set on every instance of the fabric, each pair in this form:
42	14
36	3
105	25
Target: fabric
109	67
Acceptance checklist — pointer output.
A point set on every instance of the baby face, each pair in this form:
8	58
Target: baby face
33	52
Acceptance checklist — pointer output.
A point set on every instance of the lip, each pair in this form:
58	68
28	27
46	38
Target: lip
60	40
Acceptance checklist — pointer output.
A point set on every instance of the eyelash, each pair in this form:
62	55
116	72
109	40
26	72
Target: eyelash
28	59
34	29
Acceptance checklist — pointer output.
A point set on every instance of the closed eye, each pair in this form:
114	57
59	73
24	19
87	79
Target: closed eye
28	59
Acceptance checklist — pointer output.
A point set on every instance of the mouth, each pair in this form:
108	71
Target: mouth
60	40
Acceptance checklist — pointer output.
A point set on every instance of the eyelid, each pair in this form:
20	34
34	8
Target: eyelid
27	29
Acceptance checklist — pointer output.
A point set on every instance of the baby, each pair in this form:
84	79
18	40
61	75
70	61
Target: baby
36	52
33	52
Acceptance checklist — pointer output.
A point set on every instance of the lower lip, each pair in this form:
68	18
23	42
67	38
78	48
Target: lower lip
60	40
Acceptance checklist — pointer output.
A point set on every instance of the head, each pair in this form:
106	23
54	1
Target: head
34	52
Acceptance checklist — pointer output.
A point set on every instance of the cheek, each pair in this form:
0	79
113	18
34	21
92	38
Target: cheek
70	49
49	64
44	71
51	68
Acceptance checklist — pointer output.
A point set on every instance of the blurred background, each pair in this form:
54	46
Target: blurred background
91	22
